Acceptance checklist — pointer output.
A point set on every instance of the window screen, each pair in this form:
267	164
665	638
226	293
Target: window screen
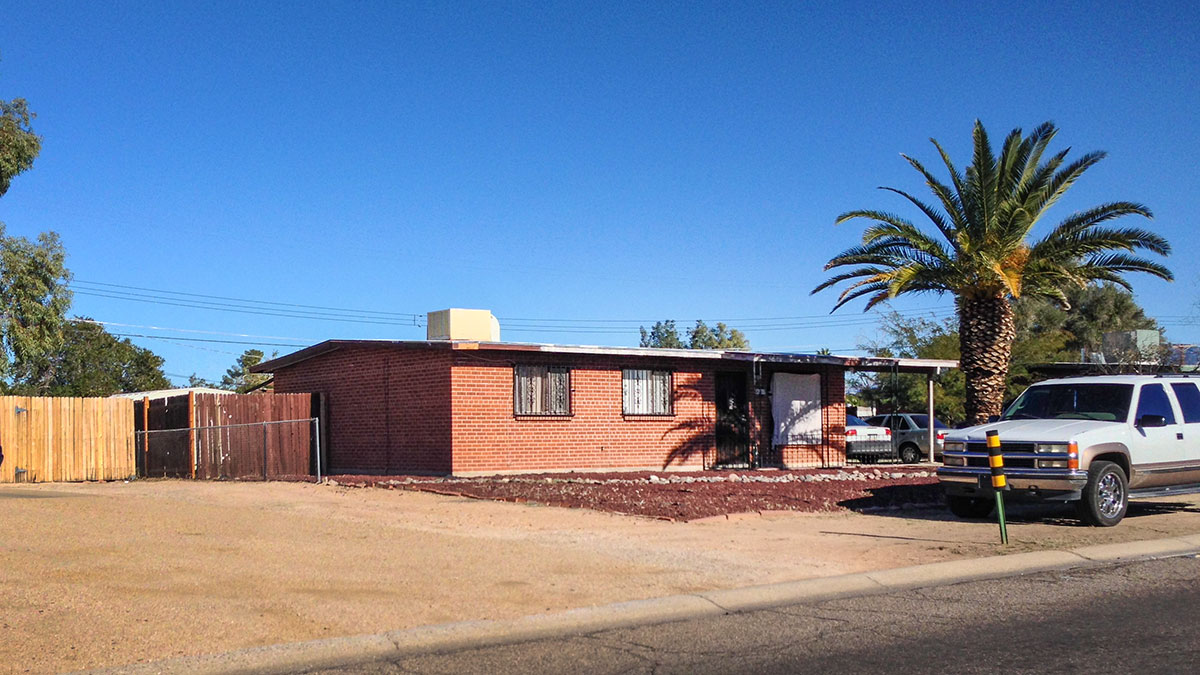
541	390
646	392
1189	400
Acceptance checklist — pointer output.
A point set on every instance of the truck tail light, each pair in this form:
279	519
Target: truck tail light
1073	455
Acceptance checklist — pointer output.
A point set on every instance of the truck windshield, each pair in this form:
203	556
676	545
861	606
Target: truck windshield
1104	402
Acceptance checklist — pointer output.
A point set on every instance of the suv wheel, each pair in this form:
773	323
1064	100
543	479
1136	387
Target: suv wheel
910	454
1106	495
970	507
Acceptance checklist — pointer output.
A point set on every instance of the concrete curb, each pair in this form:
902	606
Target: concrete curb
330	653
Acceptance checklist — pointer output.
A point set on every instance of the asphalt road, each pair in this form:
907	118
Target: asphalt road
1139	617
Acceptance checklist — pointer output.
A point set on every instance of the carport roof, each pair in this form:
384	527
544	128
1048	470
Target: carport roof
860	363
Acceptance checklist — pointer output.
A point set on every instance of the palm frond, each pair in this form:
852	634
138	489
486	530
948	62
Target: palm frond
1064	179
1038	140
956	177
869	214
1122	262
938	219
846	276
984	216
951	199
1082	220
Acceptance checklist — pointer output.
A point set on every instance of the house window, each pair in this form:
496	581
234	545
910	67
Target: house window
541	390
646	392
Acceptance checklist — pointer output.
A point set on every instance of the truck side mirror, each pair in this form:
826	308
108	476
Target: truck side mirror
1152	421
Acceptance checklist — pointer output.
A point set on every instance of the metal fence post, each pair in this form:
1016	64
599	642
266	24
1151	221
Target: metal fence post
317	436
264	451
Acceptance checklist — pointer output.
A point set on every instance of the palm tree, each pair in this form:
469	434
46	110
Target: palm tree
987	258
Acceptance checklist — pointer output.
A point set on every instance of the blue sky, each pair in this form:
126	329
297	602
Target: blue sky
598	164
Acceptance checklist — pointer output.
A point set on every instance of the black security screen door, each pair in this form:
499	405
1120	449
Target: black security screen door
733	421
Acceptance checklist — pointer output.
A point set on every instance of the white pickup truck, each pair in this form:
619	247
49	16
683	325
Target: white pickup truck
1094	440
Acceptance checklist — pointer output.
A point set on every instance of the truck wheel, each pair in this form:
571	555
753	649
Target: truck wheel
910	454
1105	497
970	507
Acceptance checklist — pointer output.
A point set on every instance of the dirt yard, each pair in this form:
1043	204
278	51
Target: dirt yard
106	574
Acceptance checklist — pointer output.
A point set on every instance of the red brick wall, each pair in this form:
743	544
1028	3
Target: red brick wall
388	409
397	410
488	437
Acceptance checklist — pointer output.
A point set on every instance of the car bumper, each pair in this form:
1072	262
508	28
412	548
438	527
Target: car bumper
881	447
1032	483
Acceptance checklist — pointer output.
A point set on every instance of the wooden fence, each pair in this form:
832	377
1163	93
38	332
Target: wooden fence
66	439
226	436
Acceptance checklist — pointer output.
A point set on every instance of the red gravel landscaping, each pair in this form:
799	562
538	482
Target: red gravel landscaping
688	496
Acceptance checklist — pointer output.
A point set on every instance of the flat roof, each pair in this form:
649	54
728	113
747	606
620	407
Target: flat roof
861	363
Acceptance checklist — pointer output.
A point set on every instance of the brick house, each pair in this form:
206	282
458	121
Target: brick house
458	406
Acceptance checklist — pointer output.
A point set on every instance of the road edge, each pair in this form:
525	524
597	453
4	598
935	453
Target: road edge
336	652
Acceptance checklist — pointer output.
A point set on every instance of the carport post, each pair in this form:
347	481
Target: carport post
932	431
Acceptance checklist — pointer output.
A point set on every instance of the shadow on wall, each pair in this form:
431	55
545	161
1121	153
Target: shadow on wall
795	415
697	439
696	436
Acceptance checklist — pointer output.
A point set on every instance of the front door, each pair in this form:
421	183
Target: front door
733	420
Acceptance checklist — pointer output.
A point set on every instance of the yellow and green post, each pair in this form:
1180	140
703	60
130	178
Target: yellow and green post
999	481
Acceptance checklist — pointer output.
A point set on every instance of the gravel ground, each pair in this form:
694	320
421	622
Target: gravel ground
684	497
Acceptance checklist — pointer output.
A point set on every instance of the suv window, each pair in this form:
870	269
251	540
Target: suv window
1189	400
1154	401
1074	401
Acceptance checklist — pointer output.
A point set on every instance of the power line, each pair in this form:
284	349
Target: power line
247	301
212	340
255	312
195	330
374	317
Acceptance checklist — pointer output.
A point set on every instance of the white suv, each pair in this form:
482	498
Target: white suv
1094	440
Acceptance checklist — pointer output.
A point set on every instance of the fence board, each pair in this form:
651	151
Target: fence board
227	451
66	439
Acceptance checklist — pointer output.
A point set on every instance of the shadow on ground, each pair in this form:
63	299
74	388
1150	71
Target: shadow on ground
897	501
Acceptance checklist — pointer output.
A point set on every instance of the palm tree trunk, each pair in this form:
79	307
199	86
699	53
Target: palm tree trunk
985	338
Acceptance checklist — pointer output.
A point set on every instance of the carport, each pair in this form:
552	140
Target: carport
930	368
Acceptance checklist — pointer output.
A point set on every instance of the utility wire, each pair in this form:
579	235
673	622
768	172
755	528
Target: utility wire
374	317
245	301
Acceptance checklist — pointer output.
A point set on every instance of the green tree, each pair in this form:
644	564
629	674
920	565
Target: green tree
662	334
987	259
915	338
1045	333
195	381
35	298
239	378
703	337
1094	311
19	146
92	362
